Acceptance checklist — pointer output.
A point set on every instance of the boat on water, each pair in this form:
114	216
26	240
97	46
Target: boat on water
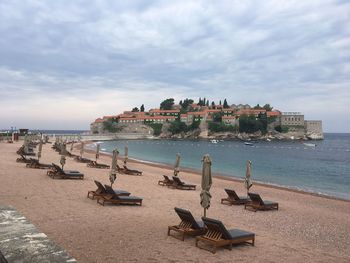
310	144
214	141
248	143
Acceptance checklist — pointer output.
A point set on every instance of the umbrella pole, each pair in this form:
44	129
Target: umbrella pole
205	212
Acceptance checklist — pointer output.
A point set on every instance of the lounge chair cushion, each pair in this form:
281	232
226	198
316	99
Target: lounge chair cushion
126	198
110	190
266	202
237	233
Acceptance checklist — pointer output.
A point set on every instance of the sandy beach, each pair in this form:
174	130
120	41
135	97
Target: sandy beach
306	228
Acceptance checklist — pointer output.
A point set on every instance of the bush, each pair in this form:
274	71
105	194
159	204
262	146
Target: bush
249	124
282	129
177	127
157	128
220	127
110	126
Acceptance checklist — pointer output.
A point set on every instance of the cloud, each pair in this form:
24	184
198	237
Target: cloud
106	57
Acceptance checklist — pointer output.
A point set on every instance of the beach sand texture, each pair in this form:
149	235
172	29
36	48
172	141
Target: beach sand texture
306	228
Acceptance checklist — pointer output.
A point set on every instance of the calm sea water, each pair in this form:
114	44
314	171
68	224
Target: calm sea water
322	169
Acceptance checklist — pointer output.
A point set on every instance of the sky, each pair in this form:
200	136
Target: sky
65	63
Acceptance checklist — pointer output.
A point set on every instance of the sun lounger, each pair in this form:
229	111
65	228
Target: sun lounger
34	163
21	151
117	199
101	190
132	172
188	225
233	199
58	172
257	203
22	159
218	236
166	181
178	184
94	164
82	159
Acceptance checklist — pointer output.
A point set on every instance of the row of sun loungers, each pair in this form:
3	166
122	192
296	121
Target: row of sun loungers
254	202
58	172
210	233
176	183
106	194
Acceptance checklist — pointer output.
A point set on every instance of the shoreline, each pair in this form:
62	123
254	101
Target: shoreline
218	175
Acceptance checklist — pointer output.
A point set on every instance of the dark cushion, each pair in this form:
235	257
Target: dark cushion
216	225
237	233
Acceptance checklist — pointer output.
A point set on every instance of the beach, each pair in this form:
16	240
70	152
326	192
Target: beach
306	228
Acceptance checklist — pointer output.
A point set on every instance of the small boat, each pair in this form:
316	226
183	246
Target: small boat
214	141
248	143
310	144
268	139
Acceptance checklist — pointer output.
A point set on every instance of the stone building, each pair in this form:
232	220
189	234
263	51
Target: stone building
313	129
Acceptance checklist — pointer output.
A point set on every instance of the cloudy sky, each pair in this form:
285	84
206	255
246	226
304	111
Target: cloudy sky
65	63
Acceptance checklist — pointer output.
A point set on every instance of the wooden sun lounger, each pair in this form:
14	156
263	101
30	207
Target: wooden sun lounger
233	199
188	225
257	203
101	190
21	151
218	236
131	172
178	184
57	172
22	159
166	181
34	163
94	164
118	200
82	159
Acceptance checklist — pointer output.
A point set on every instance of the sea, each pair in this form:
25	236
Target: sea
323	168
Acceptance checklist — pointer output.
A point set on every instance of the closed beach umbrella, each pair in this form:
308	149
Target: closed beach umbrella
247	182
113	172
126	151
206	182
177	164
97	151
40	149
81	149
71	146
63	149
63	160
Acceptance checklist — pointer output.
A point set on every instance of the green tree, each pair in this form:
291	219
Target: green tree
257	107
157	128
207	103
250	124
220	102
267	107
142	108
135	109
225	104
217	117
220	127
167	104
177	127
186	103
212	104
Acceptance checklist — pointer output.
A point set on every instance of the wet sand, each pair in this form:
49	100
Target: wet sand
306	228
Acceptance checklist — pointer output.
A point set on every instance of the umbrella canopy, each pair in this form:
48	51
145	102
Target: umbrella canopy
97	151
40	149
113	172
247	182
126	151
81	149
177	164
206	182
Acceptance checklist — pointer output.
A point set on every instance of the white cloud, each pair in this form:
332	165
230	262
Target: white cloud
106	57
